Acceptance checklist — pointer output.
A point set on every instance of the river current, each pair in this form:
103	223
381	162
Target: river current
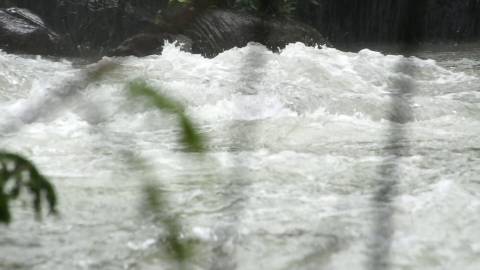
295	143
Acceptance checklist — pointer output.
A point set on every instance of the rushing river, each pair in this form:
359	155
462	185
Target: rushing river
296	141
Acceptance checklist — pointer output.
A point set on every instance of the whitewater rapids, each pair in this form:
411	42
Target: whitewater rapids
295	143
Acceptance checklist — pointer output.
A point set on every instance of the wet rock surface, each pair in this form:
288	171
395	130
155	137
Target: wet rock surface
215	31
21	31
146	44
120	29
96	27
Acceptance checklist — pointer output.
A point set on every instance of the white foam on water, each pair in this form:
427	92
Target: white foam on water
295	141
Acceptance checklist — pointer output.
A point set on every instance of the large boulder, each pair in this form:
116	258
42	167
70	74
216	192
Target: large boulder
97	26
211	32
215	31
122	27
94	27
21	31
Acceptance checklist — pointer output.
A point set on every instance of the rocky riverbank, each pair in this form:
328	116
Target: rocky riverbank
139	27
117	28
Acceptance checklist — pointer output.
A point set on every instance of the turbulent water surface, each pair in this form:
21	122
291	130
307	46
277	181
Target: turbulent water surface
296	143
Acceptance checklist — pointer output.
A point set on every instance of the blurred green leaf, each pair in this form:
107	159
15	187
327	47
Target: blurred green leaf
178	249
141	89
99	70
156	204
18	173
191	138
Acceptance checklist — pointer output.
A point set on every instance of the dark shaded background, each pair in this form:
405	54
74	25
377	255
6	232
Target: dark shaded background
343	22
382	20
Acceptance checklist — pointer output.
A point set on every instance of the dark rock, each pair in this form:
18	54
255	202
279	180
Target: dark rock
148	44
176	16
140	45
280	32
215	31
21	31
185	43
95	26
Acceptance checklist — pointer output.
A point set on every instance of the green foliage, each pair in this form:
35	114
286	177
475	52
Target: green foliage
17	174
177	249
100	70
156	205
190	137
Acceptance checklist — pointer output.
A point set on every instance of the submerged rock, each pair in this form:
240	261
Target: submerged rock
21	31
215	31
140	45
147	44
